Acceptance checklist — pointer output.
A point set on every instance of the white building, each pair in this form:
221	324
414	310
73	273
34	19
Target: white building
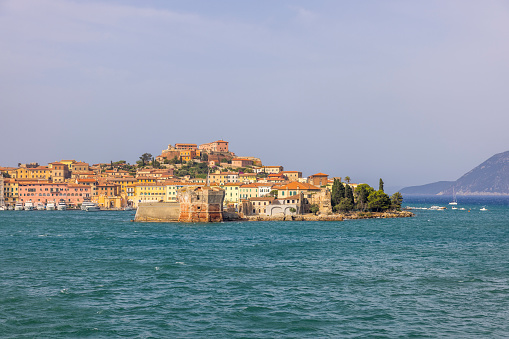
2	201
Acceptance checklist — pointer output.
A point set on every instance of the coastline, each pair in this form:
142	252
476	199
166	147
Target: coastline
331	217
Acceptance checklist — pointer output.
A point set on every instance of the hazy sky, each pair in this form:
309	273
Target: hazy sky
410	91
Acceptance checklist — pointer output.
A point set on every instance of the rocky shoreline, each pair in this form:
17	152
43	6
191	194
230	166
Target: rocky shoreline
331	217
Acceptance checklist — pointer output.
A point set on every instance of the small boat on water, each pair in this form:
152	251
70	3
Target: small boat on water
454	201
128	208
91	207
61	206
437	208
85	204
29	206
50	206
40	206
19	206
483	209
10	208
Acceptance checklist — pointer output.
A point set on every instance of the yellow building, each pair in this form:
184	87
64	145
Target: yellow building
247	177
218	178
110	202
150	192
232	192
171	189
37	173
11	192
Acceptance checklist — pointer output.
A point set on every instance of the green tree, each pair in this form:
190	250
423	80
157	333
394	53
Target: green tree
314	208
379	201
362	193
396	201
204	156
273	193
344	205
338	192
347	179
381	185
145	158
349	195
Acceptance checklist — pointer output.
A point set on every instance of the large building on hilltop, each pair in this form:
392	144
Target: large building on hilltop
216	146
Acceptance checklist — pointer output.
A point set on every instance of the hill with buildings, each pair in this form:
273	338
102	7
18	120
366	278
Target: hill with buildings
489	178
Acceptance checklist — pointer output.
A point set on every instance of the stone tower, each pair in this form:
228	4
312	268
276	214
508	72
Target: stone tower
200	204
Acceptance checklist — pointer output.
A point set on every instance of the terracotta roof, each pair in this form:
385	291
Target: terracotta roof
320	175
249	186
295	185
262	198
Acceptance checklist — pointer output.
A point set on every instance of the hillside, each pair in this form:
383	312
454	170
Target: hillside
428	189
489	178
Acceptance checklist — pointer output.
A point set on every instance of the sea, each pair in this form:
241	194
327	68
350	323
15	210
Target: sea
442	273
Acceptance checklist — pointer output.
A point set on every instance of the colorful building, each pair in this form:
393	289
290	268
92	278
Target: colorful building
216	146
318	179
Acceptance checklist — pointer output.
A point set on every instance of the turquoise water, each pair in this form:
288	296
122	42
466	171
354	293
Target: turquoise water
78	274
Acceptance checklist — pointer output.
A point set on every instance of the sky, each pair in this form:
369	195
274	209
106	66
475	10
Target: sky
409	91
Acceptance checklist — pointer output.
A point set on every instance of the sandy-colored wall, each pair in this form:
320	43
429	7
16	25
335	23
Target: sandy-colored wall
158	212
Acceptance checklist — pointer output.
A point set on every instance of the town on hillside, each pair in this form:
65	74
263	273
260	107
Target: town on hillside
249	186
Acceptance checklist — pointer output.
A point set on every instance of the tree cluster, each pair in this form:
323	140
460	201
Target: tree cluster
193	169
365	198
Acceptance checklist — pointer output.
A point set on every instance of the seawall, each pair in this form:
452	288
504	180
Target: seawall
158	212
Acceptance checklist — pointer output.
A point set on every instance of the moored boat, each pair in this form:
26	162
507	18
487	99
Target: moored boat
50	206
29	206
19	206
91	207
40	206
61	206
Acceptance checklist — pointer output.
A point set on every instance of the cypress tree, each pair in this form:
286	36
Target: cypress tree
349	194
381	185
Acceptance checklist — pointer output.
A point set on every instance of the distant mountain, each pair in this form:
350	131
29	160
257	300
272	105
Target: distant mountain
489	178
428	189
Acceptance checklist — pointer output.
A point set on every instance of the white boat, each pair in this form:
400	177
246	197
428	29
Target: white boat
50	206
61	206
29	206
40	206
3	208
454	201
483	209
85	204
462	209
128	208
10	208
91	207
19	206
454	208
437	208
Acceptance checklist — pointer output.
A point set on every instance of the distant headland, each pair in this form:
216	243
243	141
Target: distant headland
489	178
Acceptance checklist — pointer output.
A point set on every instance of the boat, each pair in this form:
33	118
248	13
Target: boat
454	201
462	209
29	206
454	208
40	206
19	206
437	208
483	209
3	208
128	208
91	207
61	206
10	208
85	204
50	206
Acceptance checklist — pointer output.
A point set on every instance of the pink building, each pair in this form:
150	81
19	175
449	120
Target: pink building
240	162
45	192
216	146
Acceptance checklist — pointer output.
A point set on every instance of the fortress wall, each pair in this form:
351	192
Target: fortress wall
158	212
